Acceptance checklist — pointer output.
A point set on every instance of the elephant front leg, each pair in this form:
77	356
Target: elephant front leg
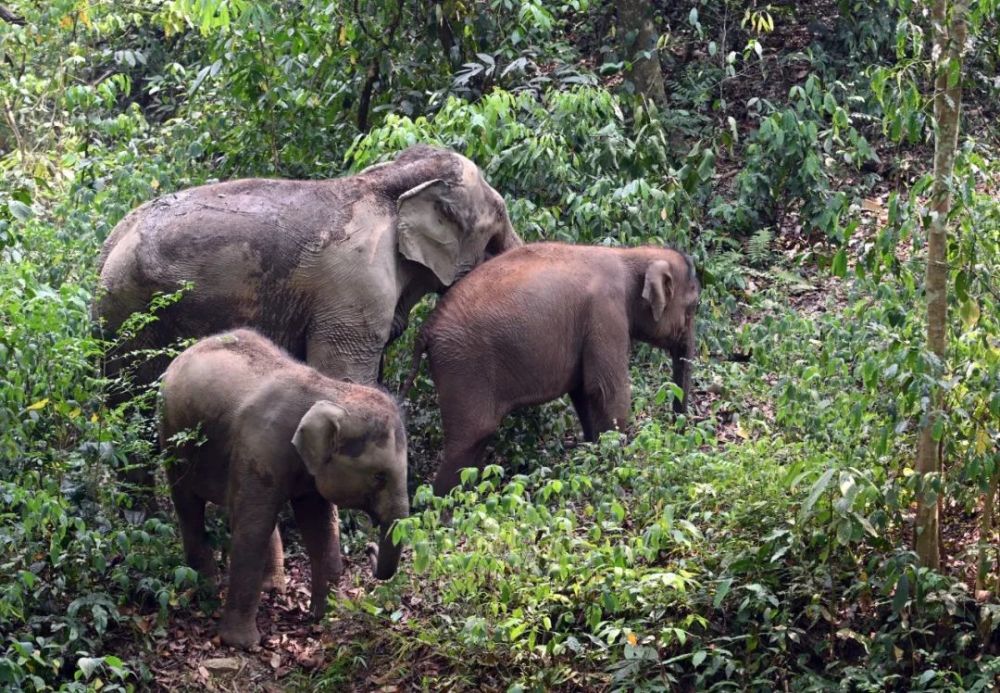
318	524
466	434
606	391
344	356
609	410
253	525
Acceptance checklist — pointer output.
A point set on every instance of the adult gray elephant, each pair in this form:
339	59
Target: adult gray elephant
327	269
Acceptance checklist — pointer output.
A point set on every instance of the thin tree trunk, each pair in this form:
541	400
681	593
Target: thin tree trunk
450	48
949	40
983	571
638	36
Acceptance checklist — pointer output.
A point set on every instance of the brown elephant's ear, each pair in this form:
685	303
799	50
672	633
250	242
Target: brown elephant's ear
428	233
658	287
318	433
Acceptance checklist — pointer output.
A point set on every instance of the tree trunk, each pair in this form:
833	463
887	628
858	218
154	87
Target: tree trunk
949	39
639	38
986	545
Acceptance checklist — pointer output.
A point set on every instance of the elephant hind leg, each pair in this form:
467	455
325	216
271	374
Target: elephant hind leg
317	523
253	525
581	404
191	517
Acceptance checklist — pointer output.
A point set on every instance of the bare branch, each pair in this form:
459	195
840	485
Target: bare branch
11	18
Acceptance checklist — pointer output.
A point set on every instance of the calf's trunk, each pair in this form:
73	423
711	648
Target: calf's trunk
683	360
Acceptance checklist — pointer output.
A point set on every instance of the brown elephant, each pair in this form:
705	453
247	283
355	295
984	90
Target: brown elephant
549	319
268	429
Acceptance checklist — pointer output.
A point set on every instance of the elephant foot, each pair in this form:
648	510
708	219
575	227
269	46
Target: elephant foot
208	571
242	635
276	582
317	609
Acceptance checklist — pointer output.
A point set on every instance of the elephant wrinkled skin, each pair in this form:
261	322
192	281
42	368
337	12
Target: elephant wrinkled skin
270	430
549	319
327	269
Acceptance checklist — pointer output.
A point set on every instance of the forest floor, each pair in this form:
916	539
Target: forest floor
185	653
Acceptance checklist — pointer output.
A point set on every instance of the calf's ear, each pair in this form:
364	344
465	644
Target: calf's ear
658	287
318	433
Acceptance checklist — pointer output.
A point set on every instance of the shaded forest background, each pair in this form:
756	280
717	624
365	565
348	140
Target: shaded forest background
764	540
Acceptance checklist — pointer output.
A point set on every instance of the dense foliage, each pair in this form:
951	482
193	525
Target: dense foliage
763	540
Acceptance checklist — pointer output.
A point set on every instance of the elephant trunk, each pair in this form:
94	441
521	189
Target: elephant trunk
388	552
683	360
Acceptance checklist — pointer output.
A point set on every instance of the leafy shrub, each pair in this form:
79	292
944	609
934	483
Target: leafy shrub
789	162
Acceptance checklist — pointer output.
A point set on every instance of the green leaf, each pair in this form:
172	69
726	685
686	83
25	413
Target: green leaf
698	657
969	311
19	210
839	266
88	665
721	592
902	593
817	490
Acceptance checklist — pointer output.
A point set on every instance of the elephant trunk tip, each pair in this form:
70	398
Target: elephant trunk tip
385	558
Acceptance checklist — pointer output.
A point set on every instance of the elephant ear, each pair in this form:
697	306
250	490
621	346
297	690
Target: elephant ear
658	287
428	231
318	433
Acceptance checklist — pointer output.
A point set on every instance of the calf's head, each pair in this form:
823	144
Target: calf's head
670	295
358	461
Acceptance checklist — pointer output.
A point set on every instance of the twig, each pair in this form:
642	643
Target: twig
374	71
11	18
9	116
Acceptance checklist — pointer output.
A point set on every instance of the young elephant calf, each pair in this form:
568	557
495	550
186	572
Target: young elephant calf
549	319
274	430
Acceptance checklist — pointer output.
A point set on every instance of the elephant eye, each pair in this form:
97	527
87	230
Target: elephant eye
380	478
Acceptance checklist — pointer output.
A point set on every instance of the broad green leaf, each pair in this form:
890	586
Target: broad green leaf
969	311
902	593
817	490
839	266
721	592
88	665
19	210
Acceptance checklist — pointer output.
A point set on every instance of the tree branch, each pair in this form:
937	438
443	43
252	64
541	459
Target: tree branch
374	70
11	18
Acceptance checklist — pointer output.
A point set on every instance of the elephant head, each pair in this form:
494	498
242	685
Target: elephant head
358	461
452	221
670	292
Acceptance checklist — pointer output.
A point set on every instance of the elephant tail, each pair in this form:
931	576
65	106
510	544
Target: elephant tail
419	348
